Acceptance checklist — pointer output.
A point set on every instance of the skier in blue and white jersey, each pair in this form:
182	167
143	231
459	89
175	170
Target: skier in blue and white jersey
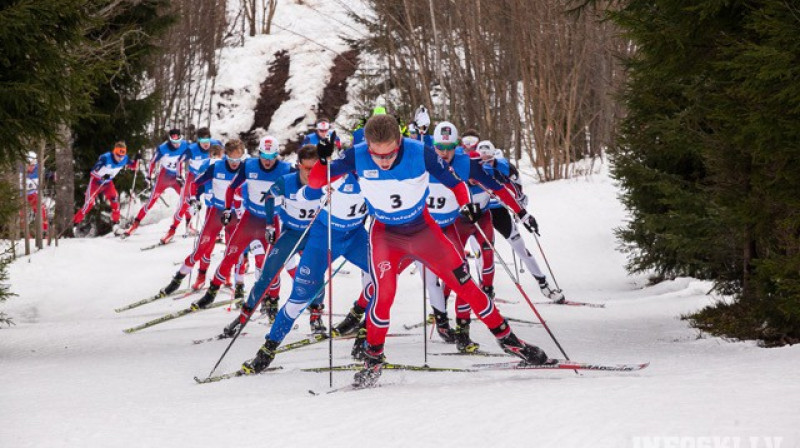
297	207
219	176
169	155
198	160
394	175
102	176
503	221
255	180
348	239
322	130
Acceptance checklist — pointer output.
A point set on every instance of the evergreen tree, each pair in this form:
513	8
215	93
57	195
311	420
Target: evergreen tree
707	156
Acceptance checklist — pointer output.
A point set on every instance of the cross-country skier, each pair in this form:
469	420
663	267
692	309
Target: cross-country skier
255	179
393	174
348	239
169	155
220	175
32	188
198	161
443	208
322	129
102	175
298	207
504	223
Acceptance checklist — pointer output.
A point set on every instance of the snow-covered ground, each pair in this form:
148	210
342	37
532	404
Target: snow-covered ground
69	376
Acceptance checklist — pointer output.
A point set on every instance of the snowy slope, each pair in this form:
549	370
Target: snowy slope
310	31
70	377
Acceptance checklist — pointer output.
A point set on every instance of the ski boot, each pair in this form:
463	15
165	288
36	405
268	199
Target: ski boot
264	357
350	322
168	237
232	328
132	228
443	327
173	286
359	344
530	354
270	307
489	291
373	365
315	321
238	293
463	343
201	280
207	299
553	294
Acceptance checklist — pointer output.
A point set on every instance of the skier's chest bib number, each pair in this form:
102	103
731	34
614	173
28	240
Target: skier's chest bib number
397	201
436	203
306	213
356	210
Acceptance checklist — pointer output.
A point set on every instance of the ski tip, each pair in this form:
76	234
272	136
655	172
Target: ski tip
313	393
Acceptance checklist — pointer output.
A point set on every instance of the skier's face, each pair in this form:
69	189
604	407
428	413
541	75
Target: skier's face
235	158
384	153
304	168
268	163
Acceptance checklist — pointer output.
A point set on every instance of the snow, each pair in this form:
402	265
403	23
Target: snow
310	31
71	377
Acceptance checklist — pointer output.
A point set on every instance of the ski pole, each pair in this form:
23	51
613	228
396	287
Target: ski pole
424	311
516	219
330	276
278	273
130	194
522	291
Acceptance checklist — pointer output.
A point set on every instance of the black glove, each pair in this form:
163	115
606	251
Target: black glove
325	148
529	222
269	234
226	217
471	212
107	177
193	202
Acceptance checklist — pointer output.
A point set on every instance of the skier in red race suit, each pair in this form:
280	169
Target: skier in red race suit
393	174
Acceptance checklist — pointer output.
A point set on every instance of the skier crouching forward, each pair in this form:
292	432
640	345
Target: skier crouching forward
393	175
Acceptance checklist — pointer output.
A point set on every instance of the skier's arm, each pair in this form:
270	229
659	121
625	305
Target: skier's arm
339	167
441	170
237	182
275	191
479	175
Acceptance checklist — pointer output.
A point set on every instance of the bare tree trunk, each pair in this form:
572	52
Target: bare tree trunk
65	185
23	188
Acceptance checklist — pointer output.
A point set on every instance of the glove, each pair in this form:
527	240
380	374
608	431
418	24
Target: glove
325	148
269	233
107	177
226	216
193	202
529	222
471	212
244	313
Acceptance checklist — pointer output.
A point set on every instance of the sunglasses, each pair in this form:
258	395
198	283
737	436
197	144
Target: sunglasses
445	146
268	156
203	140
387	156
235	159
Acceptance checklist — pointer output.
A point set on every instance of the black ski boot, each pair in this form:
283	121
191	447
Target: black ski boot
443	327
238	293
350	323
232	328
489	291
264	357
359	343
373	365
173	286
463	343
512	345
315	321
207	299
270	307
